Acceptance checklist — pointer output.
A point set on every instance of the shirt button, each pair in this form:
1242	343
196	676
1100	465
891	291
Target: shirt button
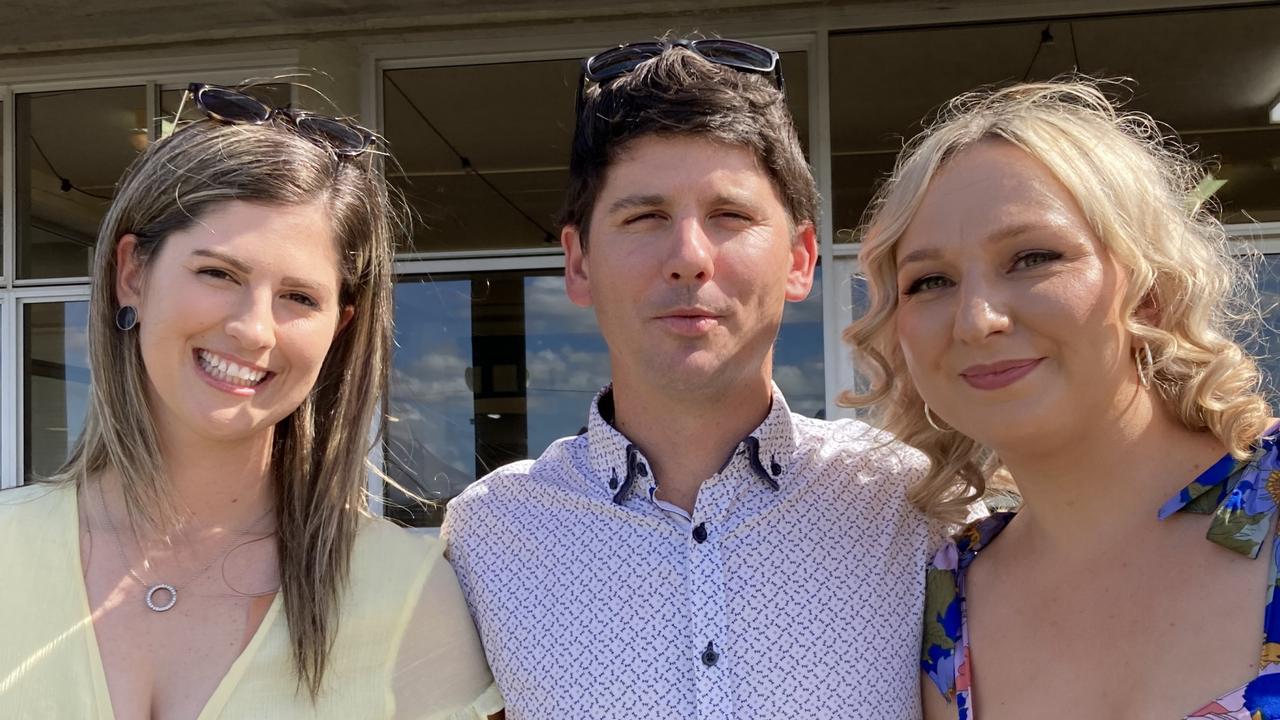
709	656
700	533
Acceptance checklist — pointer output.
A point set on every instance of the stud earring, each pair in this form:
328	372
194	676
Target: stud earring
127	317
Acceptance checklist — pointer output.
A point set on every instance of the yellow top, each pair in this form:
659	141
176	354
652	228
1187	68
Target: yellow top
405	645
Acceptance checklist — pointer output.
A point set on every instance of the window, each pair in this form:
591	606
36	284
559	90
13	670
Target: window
1218	102
72	148
55	377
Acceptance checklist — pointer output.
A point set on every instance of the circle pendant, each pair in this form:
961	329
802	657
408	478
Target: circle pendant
168	604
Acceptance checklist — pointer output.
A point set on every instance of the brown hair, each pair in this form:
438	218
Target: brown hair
679	93
318	457
1135	185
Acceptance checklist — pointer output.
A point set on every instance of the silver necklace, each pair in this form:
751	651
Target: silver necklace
170	588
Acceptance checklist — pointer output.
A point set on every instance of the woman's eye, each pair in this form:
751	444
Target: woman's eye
217	273
301	299
928	282
1035	257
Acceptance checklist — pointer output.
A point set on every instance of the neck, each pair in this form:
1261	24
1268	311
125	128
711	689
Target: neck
1111	477
686	437
214	485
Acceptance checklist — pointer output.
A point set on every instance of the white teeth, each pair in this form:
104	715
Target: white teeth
222	369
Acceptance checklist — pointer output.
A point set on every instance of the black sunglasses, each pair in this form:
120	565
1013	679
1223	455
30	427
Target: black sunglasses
232	106
737	54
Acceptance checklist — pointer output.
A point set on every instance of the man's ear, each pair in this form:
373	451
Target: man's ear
577	284
129	271
804	257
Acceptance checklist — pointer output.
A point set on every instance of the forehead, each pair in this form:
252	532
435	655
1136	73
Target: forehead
299	239
653	161
989	187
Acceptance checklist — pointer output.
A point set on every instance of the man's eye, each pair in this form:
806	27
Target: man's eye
640	218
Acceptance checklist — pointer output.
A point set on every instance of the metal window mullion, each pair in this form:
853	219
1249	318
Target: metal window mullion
8	178
10	439
833	280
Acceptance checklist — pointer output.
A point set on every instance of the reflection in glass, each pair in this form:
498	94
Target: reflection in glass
55	373
490	368
482	151
72	148
1219	107
798	367
1267	346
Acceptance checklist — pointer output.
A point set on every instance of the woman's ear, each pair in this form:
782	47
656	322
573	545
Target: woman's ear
1148	310
344	317
128	271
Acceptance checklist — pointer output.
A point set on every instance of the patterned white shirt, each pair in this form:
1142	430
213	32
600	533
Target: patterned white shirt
795	589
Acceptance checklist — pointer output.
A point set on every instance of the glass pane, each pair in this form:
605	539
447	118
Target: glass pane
72	148
1267	347
493	367
1217	101
489	368
55	375
798	367
482	151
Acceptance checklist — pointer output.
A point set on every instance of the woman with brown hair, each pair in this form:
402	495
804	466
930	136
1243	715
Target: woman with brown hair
207	550
1048	299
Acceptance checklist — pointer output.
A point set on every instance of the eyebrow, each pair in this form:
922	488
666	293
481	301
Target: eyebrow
630	202
1003	233
634	201
245	268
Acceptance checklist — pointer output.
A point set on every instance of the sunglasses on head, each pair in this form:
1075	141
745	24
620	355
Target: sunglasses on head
227	105
615	62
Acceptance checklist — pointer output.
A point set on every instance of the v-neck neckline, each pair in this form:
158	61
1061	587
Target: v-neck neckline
102	691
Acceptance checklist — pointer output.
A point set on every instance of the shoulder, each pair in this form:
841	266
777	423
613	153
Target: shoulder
963	546
865	460
852	441
509	487
33	503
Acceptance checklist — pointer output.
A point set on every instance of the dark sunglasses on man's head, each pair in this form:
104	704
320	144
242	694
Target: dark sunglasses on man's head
228	105
615	62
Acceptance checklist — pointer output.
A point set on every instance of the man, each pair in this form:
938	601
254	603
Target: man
699	552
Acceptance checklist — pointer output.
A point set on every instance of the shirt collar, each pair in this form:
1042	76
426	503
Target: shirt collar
1239	494
621	466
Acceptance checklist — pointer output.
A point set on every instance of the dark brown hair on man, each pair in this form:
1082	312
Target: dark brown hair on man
680	93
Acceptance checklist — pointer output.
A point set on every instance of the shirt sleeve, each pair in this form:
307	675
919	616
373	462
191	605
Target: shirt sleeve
440	671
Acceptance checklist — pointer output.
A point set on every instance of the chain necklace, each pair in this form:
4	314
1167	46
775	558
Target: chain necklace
170	588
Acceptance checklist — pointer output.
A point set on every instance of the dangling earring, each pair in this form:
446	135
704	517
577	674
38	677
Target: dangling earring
1144	373
928	417
127	317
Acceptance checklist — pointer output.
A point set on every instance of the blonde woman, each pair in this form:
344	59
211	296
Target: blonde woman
1045	298
206	552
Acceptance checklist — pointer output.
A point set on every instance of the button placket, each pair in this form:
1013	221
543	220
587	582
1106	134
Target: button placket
709	601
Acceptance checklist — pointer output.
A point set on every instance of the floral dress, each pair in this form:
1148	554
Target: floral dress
1241	497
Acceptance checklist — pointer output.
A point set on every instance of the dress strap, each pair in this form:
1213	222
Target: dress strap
944	655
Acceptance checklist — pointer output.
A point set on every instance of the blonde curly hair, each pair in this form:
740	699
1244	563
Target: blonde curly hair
1134	184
